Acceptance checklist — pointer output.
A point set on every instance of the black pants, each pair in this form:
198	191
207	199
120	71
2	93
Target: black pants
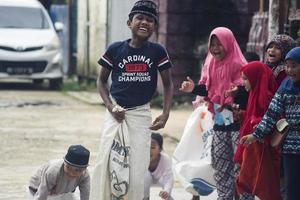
291	165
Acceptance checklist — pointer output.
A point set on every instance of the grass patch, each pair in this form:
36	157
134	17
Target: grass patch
73	84
179	101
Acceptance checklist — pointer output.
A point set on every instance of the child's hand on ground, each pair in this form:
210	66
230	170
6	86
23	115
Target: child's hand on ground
164	194
159	122
188	85
247	140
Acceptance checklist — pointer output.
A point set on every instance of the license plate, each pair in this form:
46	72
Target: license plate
19	70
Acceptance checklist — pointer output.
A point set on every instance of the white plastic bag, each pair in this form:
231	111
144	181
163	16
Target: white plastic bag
139	158
119	163
192	156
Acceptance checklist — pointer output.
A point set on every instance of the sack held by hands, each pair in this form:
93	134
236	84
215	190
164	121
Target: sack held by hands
119	166
280	133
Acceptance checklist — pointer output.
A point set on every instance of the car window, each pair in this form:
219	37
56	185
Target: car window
22	17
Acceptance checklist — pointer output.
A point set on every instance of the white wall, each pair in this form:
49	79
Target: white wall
117	20
108	23
97	36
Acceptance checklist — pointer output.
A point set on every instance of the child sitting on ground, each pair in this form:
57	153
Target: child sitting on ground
62	176
160	169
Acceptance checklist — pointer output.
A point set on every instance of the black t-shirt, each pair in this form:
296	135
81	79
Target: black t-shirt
134	71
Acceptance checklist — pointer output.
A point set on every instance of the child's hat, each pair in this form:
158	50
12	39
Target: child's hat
294	54
77	156
285	43
146	7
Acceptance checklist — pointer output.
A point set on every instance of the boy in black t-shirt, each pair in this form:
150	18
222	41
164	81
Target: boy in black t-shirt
134	65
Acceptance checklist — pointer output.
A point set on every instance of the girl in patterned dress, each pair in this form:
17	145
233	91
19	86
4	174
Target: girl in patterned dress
286	101
220	74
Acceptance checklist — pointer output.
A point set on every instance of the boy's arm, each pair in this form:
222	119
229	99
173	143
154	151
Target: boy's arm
45	187
168	178
84	187
161	120
102	88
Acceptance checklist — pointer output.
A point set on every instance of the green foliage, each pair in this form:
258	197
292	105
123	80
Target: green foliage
157	100
178	101
183	101
73	84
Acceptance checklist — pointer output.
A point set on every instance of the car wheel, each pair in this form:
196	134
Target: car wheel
55	84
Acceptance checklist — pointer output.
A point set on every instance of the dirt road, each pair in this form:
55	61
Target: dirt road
37	125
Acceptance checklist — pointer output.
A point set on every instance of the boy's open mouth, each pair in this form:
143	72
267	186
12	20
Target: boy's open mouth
143	29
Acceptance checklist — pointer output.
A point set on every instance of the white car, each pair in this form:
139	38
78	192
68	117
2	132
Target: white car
29	45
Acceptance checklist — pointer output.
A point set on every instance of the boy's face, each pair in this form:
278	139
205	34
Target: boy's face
246	82
274	54
142	26
216	48
73	172
292	69
155	150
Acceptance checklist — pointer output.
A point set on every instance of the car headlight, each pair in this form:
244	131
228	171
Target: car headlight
53	45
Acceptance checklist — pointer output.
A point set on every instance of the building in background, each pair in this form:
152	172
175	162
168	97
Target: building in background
184	27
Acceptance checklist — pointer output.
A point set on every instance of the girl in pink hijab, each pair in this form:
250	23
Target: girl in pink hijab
219	82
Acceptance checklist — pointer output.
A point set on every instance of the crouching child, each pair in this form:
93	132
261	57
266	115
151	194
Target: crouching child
159	171
62	176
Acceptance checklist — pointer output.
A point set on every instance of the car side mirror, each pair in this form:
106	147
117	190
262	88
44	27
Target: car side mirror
59	26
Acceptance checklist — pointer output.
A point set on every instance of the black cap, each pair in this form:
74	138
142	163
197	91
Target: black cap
146	7
77	156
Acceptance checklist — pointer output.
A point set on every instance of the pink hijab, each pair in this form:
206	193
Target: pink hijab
219	76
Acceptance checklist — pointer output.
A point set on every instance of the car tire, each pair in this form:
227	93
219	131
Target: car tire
55	84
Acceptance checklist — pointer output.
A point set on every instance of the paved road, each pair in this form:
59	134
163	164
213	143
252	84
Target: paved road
38	125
